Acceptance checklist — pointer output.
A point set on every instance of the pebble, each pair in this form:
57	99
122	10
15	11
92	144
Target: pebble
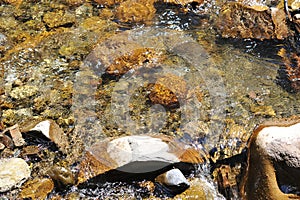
172	177
172	182
13	172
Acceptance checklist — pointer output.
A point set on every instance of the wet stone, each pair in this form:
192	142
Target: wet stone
263	110
108	2
183	2
11	116
74	2
13	172
134	60
37	188
273	170
172	182
136	11
60	18
169	91
62	176
240	20
2	146
131	155
199	190
16	136
3	39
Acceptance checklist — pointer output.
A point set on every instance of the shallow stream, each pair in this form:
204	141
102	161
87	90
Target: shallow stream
62	73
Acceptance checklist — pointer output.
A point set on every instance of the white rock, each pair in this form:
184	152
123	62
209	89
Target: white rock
174	177
43	127
129	149
281	143
13	172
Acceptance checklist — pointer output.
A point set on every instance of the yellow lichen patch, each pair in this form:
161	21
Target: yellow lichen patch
136	11
133	60
168	90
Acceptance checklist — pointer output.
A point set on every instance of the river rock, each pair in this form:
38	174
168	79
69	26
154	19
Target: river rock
169	91
57	19
13	172
52	131
37	189
136	11
172	182
200	189
147	156
273	170
252	20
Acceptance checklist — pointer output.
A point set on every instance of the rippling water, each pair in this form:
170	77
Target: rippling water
236	80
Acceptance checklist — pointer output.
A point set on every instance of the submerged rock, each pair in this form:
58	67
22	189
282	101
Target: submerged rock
241	20
199	189
57	19
37	189
13	172
136	11
133	60
273	170
136	157
184	2
289	76
169	91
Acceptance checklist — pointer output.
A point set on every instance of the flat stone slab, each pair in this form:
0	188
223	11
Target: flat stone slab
135	155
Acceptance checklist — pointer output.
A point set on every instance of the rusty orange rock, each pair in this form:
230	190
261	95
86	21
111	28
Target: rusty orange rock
239	20
136	11
168	90
133	60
